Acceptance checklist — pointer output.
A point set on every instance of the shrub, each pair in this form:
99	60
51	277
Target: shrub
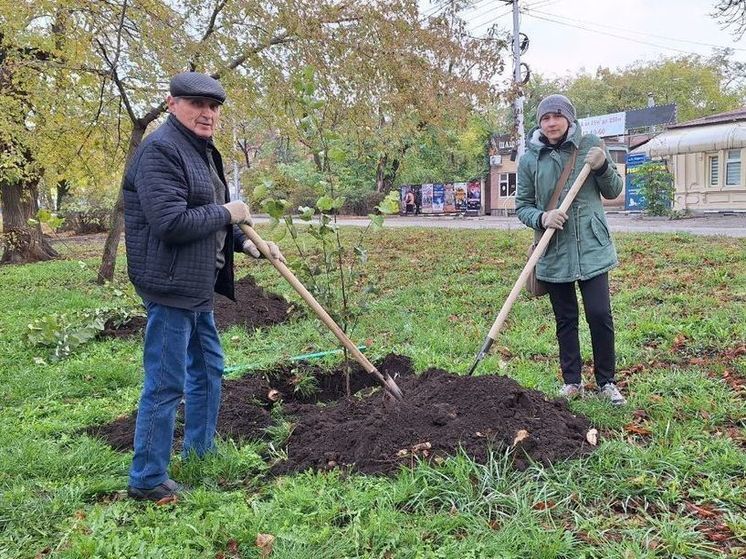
361	203
656	187
85	217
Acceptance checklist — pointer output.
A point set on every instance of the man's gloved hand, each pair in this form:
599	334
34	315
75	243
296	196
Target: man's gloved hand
274	251
553	219
239	212
595	158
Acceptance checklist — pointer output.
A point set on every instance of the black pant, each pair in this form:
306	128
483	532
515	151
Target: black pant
597	303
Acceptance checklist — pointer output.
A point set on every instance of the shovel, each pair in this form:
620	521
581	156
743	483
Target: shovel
387	382
535	255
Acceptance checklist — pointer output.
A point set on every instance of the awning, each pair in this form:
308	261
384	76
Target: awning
729	135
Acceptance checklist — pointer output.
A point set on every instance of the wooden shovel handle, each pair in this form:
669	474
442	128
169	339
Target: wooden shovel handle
536	254
320	311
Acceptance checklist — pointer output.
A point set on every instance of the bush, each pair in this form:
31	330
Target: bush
361	203
656	187
85	217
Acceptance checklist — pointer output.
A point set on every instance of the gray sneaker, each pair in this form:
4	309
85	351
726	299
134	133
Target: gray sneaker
611	392
572	391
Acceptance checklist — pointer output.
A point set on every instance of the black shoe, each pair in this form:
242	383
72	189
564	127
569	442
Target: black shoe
169	489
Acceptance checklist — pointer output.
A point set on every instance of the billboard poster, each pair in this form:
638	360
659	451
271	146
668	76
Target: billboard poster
459	196
604	125
427	198
634	201
474	195
449	205
438	198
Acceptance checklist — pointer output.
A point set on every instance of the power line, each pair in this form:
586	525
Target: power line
437	7
569	19
492	18
608	34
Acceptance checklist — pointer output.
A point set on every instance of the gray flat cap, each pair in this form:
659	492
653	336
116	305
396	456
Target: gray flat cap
194	84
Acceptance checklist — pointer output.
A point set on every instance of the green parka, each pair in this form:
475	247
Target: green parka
583	249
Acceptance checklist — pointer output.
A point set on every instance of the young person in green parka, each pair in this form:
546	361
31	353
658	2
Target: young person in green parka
581	251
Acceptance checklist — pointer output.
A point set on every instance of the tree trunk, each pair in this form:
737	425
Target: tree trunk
23	243
385	177
63	189
381	172
116	228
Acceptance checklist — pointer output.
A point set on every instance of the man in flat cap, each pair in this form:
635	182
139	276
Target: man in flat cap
181	231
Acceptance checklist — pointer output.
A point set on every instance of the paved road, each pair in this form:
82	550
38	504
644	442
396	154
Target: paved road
729	225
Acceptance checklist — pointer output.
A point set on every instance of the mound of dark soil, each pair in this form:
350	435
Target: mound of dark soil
253	308
440	414
240	418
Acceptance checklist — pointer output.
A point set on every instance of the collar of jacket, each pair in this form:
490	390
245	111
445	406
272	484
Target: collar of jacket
202	145
573	137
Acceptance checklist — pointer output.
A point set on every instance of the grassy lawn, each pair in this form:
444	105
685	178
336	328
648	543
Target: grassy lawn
666	481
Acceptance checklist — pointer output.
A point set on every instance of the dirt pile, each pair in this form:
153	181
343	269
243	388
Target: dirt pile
441	413
253	308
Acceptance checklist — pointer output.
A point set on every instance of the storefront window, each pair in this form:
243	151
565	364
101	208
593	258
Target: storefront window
733	168
507	185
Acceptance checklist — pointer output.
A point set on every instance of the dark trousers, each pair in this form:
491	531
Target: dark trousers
597	304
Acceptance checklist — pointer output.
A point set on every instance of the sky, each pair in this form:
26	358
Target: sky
569	36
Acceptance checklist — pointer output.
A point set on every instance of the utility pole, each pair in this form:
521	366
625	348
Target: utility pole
518	83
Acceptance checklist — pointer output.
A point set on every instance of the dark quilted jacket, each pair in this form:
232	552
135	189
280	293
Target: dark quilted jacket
171	217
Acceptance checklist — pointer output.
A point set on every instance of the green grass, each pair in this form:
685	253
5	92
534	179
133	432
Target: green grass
679	310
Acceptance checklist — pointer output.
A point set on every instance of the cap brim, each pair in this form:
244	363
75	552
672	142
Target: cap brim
219	101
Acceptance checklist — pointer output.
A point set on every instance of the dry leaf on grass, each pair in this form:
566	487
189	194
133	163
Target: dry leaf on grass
592	437
265	542
633	429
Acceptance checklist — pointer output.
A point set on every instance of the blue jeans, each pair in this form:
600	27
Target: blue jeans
182	357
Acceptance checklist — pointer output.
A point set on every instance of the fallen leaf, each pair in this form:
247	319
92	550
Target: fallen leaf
421	446
544	505
679	341
167	500
592	437
521	435
637	430
265	542
702	511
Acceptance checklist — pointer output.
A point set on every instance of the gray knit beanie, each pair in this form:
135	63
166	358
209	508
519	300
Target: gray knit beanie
556	104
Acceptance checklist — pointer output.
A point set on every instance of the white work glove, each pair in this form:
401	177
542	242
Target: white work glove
239	212
553	219
595	158
274	251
